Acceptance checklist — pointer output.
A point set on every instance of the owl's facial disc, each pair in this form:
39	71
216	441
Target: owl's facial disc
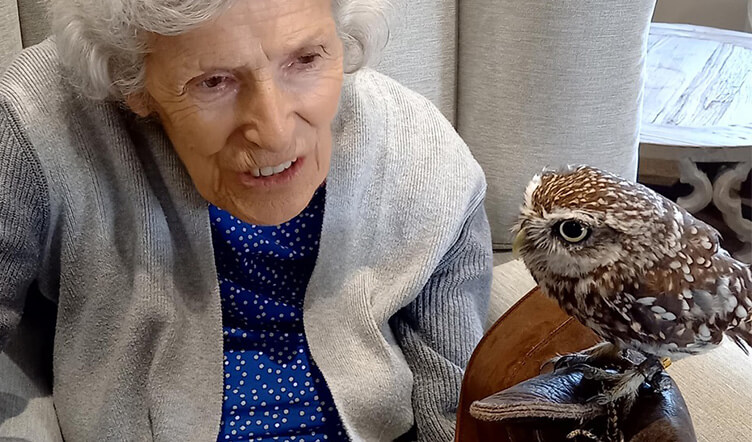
577	220
566	242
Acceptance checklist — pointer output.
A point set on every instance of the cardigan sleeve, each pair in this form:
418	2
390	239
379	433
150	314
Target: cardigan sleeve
23	214
439	330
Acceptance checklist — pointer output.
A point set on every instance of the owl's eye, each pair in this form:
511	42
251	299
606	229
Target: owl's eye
573	231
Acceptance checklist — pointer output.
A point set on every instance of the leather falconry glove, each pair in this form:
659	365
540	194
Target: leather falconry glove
506	398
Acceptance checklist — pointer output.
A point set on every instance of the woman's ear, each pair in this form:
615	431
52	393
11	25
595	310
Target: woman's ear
139	103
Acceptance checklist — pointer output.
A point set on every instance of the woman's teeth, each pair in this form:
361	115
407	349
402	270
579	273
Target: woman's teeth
269	171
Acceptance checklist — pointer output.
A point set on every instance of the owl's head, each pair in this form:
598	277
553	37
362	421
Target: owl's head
578	219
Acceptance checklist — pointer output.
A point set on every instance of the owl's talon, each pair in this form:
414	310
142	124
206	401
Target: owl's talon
625	386
603	355
569	360
588	362
651	368
659	385
597	374
561	362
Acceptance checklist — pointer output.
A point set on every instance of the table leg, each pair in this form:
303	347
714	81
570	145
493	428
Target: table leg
726	199
702	189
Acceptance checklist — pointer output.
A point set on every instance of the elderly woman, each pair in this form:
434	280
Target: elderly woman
248	234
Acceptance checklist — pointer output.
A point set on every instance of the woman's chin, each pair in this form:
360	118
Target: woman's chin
272	213
264	206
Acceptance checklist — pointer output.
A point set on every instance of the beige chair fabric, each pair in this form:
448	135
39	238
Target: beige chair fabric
34	24
10	31
546	83
422	50
27	411
717	387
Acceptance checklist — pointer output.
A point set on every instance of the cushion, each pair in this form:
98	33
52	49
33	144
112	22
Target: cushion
548	83
422	50
10	31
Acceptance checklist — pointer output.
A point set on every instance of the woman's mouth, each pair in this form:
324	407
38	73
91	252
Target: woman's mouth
272	170
271	175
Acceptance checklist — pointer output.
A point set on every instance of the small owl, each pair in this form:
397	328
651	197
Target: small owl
631	265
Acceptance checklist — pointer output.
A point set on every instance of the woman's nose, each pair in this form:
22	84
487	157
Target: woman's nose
267	119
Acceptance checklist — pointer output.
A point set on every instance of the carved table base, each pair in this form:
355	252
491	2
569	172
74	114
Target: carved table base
726	199
724	193
702	189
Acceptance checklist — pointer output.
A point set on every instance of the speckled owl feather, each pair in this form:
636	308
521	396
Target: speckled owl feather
646	274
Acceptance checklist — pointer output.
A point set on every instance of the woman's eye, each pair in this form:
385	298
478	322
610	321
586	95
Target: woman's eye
213	86
573	231
214	82
306	61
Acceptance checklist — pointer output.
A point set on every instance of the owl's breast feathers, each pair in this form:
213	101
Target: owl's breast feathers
680	306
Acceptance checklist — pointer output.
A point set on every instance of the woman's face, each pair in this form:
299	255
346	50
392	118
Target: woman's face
248	100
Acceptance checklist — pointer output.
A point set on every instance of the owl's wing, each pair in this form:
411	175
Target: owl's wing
691	298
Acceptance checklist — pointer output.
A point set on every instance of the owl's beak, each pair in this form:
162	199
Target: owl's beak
517	244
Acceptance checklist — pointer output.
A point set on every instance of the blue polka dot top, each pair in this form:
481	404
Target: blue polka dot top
273	389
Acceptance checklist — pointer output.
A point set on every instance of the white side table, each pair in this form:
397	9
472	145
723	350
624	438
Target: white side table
698	109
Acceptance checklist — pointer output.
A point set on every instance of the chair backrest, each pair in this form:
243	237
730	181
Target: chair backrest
10	31
528	84
422	51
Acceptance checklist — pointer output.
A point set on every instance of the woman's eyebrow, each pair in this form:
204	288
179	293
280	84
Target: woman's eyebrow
304	38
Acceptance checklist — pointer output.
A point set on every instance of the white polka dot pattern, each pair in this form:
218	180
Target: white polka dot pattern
273	389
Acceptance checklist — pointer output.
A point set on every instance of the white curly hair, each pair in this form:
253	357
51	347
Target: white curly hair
103	42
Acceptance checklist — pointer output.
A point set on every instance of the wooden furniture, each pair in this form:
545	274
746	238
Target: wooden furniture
698	109
530	333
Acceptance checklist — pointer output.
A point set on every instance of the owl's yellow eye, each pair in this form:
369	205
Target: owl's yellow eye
573	231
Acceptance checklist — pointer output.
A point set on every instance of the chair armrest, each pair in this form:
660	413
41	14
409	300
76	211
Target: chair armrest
27	411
